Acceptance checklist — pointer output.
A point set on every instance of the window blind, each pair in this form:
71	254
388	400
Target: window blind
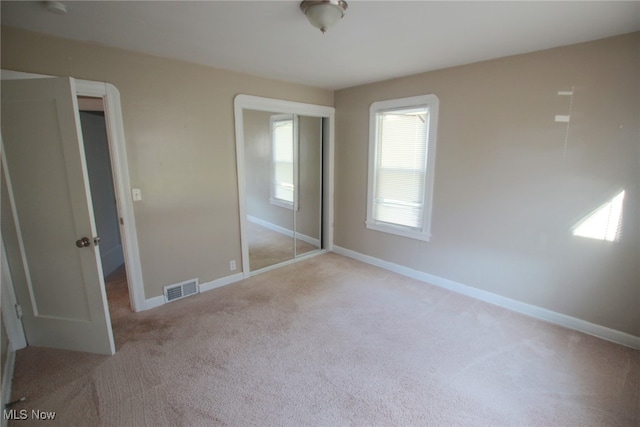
401	166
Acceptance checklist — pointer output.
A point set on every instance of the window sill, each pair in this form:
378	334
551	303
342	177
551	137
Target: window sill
398	231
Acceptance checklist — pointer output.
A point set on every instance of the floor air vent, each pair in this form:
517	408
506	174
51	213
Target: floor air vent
180	290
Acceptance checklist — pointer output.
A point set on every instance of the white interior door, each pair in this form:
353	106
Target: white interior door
64	301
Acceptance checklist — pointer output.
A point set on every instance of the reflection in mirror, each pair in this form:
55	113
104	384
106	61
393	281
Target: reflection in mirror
308	216
268	150
283	186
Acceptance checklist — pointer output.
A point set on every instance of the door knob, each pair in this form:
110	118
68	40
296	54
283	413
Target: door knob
83	243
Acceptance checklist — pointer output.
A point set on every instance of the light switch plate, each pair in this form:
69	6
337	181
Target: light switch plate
137	194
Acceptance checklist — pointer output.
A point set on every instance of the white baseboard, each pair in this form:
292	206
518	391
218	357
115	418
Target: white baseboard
282	230
203	287
154	302
218	283
7	379
504	302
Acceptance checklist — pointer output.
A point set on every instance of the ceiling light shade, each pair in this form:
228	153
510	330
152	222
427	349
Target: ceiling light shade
323	14
56	7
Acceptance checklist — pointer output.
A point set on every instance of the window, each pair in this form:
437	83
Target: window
402	142
282	161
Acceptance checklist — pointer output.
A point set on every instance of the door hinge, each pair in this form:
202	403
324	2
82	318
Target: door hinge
121	221
19	311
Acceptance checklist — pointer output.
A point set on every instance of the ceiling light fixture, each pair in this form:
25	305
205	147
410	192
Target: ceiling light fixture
56	7
323	14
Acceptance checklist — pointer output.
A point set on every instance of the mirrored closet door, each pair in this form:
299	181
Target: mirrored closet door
280	165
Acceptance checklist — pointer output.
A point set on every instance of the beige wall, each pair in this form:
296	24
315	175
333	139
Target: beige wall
178	121
507	193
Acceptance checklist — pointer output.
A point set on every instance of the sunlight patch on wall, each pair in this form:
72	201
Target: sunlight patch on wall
605	223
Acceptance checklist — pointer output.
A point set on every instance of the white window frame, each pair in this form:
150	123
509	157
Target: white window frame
273	199
431	102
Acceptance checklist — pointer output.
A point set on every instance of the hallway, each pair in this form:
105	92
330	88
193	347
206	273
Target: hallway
119	305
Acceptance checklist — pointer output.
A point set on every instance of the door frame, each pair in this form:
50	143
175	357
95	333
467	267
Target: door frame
120	172
251	102
122	183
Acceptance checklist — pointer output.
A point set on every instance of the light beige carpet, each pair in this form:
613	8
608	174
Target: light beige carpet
331	342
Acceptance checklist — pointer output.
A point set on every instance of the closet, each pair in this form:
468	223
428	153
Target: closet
283	158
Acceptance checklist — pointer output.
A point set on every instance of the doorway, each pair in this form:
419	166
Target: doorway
58	316
104	97
105	208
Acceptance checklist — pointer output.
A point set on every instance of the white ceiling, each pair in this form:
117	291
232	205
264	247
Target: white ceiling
376	40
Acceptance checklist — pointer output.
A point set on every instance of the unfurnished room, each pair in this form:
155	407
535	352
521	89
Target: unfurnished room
320	213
